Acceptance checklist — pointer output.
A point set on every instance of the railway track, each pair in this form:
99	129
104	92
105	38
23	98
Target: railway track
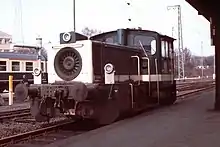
11	140
195	91
58	131
193	81
190	86
14	114
41	132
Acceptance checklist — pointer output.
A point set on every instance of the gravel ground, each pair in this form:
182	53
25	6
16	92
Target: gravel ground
10	128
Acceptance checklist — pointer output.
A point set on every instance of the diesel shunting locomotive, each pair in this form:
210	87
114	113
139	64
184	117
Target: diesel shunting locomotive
106	75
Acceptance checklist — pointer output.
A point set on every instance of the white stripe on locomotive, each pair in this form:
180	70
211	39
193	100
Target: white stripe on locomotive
111	78
152	77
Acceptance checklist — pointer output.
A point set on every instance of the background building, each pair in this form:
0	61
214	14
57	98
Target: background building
5	41
6	45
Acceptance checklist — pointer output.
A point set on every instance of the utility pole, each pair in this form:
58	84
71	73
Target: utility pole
18	22
172	31
181	55
74	15
175	57
202	58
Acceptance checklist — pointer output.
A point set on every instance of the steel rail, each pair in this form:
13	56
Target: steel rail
32	134
14	113
196	91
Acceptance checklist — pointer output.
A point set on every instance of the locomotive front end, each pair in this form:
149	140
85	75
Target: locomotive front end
69	75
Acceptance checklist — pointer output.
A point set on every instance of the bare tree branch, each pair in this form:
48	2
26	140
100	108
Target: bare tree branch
90	32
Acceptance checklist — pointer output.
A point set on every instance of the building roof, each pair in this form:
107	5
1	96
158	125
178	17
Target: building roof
5	46
4	35
20	56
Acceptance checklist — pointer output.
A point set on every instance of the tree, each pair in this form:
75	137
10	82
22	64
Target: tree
189	62
192	62
209	60
90	32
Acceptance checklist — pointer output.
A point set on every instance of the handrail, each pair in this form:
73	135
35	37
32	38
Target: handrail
139	72
158	88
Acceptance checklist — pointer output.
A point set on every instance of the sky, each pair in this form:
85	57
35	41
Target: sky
27	19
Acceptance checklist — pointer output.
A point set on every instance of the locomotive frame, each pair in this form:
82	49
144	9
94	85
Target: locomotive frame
106	75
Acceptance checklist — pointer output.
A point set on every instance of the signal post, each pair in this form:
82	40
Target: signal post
10	90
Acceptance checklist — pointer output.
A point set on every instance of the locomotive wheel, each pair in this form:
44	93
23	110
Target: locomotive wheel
35	112
1	101
168	100
41	112
108	113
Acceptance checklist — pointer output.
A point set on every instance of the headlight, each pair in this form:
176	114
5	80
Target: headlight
36	72
109	68
66	37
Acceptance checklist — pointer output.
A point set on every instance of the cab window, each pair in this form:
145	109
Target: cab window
147	42
164	49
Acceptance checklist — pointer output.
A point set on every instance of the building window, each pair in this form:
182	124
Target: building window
15	66
29	66
3	65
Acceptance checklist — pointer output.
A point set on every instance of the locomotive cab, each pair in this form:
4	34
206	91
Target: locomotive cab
150	69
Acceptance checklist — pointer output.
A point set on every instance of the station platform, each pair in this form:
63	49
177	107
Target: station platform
188	123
